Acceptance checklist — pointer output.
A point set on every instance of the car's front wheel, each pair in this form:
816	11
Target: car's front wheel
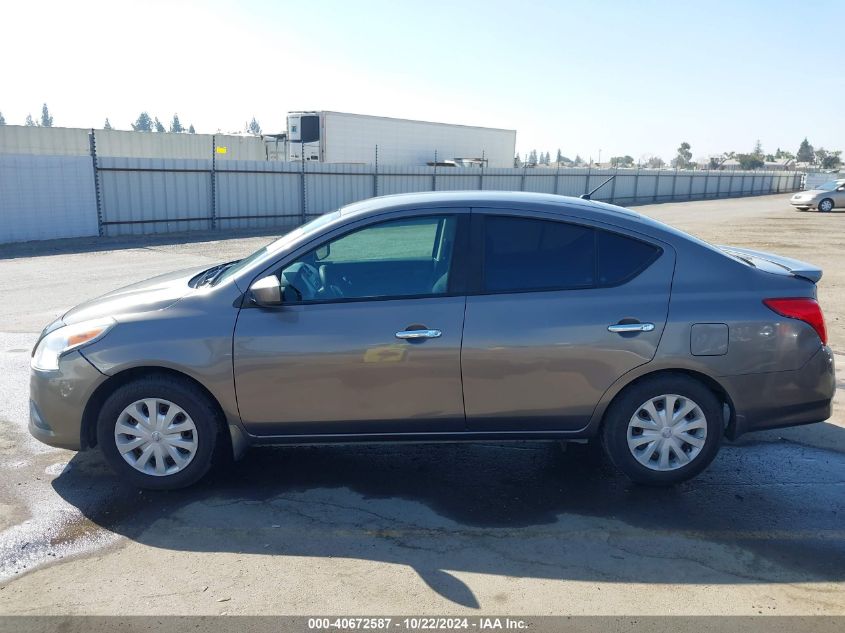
826	205
663	430
158	432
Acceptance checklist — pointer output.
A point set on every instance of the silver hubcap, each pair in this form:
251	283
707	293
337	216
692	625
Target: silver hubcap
667	432
826	205
156	437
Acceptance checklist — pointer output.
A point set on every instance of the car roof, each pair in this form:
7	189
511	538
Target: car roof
566	205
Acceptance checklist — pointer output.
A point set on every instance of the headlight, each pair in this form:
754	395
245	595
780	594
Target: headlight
64	339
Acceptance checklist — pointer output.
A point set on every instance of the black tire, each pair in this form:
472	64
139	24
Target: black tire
822	202
193	400
626	405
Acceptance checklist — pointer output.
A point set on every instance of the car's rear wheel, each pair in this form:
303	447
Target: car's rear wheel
663	430
158	432
826	205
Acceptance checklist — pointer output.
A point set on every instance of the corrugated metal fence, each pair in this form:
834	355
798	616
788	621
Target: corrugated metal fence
52	196
150	196
814	179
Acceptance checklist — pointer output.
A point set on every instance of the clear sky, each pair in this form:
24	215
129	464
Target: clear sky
625	77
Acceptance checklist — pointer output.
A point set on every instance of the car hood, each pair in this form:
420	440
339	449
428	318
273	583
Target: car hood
810	193
153	294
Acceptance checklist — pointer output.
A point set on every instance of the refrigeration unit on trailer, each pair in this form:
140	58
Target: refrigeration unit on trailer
337	137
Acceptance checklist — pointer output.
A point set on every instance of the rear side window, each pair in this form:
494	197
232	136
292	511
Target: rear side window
522	254
527	254
621	258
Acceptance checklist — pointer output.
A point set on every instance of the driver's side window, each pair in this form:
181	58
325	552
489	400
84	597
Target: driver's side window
400	258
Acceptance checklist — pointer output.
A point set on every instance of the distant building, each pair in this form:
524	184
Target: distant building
783	164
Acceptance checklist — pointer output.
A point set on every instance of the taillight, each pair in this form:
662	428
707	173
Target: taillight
803	309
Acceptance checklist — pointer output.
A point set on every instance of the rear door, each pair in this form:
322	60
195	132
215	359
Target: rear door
559	311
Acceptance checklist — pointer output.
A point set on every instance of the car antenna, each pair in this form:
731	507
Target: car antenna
586	196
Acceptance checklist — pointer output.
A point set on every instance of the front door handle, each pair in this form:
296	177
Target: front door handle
415	334
621	328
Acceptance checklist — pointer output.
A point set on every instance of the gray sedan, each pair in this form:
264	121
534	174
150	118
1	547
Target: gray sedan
443	316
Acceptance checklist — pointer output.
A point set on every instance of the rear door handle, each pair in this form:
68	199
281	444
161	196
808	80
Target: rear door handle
621	328
413	334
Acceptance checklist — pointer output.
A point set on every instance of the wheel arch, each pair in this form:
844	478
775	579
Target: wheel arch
88	431
717	388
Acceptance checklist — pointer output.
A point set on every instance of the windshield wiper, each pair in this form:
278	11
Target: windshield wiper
208	276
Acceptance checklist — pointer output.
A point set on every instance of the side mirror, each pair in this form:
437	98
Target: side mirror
267	291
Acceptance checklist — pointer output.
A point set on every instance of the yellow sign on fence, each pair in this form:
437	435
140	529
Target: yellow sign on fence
221	149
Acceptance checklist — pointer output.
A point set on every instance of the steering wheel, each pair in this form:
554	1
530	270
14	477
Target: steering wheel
303	279
337	290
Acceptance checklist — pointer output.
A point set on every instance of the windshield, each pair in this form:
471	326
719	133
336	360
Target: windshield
279	244
830	186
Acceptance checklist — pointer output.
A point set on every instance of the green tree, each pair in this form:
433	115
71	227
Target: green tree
29	121
655	162
2	119
107	125
784	155
176	125
143	123
684	158
532	158
578	159
716	162
559	157
622	161
828	160
758	149
805	154
254	128
749	161
46	119
159	126
191	129
517	161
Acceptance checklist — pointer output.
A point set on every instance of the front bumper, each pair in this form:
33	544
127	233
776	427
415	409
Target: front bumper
57	400
784	398
803	204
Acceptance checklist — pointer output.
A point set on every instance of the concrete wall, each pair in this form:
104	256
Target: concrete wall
46	197
20	139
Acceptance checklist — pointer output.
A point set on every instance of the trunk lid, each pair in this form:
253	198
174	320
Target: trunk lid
776	264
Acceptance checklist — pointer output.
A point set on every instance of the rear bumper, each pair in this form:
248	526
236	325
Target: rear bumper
783	398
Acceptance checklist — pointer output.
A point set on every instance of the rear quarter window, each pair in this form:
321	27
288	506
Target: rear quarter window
621	258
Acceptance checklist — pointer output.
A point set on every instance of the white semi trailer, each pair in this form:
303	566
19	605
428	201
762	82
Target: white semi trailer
337	137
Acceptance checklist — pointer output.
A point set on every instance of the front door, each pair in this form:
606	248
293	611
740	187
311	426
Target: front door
556	320
368	338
